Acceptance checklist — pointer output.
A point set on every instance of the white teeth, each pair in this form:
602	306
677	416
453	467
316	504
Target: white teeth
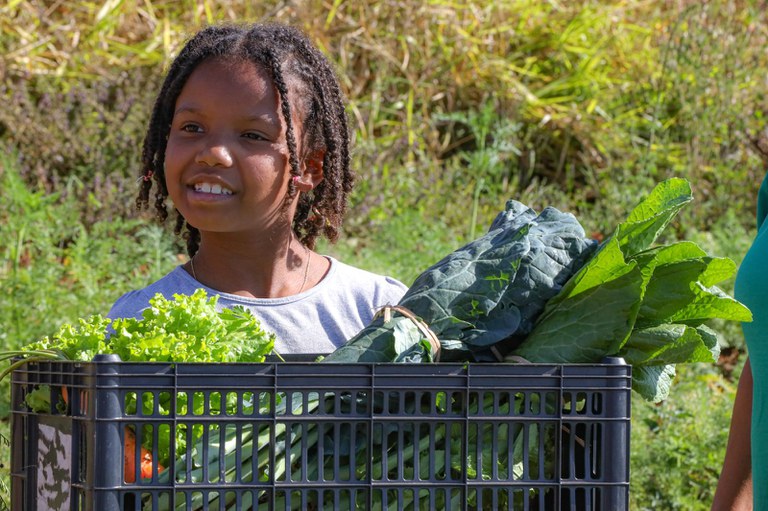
215	189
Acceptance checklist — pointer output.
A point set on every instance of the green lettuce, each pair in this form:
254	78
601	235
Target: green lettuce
187	328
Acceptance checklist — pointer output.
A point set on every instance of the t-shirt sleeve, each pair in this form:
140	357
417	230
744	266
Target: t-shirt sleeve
762	202
130	305
393	291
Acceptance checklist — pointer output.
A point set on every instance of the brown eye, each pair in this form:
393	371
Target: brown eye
191	128
251	135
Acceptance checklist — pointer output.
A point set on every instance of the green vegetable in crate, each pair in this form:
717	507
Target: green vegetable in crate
537	281
495	287
185	329
537	286
488	291
643	303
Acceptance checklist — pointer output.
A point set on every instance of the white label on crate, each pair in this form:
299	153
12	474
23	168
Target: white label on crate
54	468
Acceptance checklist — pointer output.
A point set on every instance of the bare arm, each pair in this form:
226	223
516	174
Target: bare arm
734	489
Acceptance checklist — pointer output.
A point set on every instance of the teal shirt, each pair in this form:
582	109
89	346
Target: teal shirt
751	289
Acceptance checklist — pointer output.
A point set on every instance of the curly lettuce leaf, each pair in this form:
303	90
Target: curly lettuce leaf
189	328
81	341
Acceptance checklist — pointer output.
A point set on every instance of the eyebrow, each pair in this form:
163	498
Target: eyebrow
271	119
186	109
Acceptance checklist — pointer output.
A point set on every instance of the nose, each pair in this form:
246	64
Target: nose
215	154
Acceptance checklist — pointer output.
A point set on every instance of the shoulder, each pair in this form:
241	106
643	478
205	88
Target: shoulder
132	303
380	288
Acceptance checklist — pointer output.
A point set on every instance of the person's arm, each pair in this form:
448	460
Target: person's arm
734	489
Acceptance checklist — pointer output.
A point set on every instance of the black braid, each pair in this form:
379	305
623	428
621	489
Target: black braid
290	137
306	83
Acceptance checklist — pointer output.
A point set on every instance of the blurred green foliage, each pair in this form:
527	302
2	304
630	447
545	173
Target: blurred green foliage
456	107
676	450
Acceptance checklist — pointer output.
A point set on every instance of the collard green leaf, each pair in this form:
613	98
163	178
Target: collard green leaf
500	282
711	303
670	344
653	382
374	343
503	319
586	327
678	251
470	282
406	335
491	289
646	221
675	294
710	339
608	263
651	258
718	270
669	290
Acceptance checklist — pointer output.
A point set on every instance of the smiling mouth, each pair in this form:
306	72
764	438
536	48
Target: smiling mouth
213	189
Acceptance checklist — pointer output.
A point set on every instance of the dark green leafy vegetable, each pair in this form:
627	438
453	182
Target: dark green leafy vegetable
490	290
537	286
645	304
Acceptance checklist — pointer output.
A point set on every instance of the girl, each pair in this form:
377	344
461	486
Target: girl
249	140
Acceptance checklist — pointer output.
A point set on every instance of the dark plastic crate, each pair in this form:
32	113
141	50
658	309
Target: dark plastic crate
444	436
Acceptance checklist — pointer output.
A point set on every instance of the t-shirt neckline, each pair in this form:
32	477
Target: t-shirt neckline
328	277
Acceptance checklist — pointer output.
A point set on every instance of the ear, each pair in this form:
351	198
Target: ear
311	172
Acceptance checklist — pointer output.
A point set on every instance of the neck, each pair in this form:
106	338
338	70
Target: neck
267	268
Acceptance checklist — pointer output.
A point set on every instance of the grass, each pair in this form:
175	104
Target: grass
456	107
677	446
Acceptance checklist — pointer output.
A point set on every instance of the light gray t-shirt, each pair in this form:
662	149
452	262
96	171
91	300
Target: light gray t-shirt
316	321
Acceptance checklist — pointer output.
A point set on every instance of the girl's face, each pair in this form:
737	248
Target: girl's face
226	162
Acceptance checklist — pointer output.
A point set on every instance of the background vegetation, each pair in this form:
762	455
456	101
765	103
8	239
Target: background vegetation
456	105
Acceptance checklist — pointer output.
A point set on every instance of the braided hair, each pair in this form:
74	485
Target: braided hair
290	59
